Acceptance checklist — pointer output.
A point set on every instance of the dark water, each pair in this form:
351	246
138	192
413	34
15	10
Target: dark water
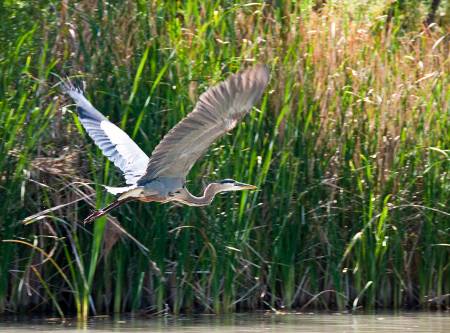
250	323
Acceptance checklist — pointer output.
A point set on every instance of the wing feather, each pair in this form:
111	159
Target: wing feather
218	111
115	144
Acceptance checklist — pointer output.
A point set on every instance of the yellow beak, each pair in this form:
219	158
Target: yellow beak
244	186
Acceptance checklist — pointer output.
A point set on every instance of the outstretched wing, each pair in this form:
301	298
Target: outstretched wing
115	144
218	111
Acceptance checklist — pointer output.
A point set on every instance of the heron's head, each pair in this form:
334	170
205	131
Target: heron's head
228	185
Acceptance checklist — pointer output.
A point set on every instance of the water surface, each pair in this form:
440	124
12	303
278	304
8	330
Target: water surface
248	323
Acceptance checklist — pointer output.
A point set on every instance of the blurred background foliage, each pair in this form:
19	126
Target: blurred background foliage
350	148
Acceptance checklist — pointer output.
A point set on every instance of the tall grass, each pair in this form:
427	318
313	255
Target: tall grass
350	149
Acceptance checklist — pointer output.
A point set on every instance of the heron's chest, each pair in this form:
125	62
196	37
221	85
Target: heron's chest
153	198
162	188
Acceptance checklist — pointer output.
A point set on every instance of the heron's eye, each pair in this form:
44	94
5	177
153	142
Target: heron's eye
227	181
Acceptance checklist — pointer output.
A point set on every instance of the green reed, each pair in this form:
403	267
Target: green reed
349	148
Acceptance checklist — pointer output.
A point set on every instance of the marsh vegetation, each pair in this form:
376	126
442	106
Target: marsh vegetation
350	148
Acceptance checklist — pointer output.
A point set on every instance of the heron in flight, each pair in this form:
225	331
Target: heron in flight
162	176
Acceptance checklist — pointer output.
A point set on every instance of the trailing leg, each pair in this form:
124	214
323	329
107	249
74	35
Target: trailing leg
98	213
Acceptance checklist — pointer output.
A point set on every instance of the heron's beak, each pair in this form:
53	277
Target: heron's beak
243	186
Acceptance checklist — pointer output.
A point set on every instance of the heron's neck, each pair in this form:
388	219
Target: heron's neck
208	195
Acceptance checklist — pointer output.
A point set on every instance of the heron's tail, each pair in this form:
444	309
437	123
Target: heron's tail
118	190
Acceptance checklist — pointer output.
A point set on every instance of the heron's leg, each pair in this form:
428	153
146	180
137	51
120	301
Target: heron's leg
98	213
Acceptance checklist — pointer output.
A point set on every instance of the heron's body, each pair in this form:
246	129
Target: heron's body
162	189
162	176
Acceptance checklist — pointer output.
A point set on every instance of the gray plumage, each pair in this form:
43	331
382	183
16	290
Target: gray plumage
218	111
162	176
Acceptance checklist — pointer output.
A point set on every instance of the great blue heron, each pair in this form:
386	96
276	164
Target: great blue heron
162	176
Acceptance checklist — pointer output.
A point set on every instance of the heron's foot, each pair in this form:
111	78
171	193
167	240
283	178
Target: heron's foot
95	214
